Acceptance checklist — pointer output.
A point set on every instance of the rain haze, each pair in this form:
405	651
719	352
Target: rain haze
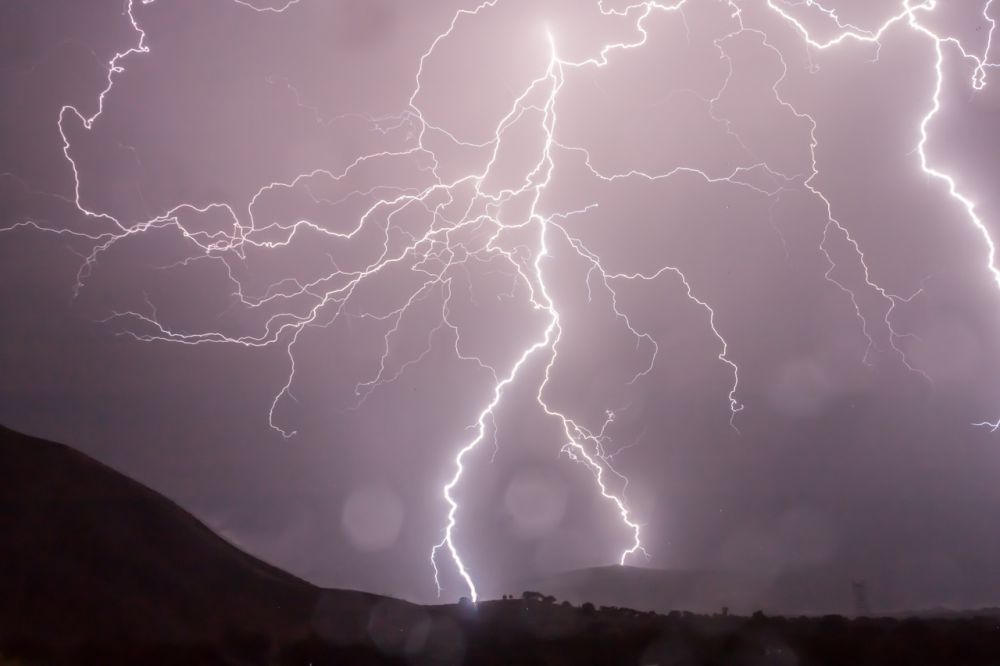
698	301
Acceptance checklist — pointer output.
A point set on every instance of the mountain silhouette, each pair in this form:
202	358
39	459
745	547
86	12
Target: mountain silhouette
88	554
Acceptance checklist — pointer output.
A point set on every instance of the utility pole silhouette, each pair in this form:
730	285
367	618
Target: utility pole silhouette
861	607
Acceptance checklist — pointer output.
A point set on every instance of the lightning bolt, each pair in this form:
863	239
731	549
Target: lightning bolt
465	225
909	16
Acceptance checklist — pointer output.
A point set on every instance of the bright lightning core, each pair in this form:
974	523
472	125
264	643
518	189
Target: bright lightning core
488	211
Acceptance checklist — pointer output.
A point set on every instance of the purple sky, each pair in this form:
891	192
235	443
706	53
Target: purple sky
153	309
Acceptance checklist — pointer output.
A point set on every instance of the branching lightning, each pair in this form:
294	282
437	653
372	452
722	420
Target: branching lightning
444	249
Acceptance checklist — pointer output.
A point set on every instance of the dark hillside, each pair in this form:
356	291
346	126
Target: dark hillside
87	553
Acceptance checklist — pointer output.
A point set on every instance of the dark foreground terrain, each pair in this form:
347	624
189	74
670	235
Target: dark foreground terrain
96	569
527	633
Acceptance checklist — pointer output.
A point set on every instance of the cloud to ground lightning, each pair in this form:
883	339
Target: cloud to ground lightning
437	231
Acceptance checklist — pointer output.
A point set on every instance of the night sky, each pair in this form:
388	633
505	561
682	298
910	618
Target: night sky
307	242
